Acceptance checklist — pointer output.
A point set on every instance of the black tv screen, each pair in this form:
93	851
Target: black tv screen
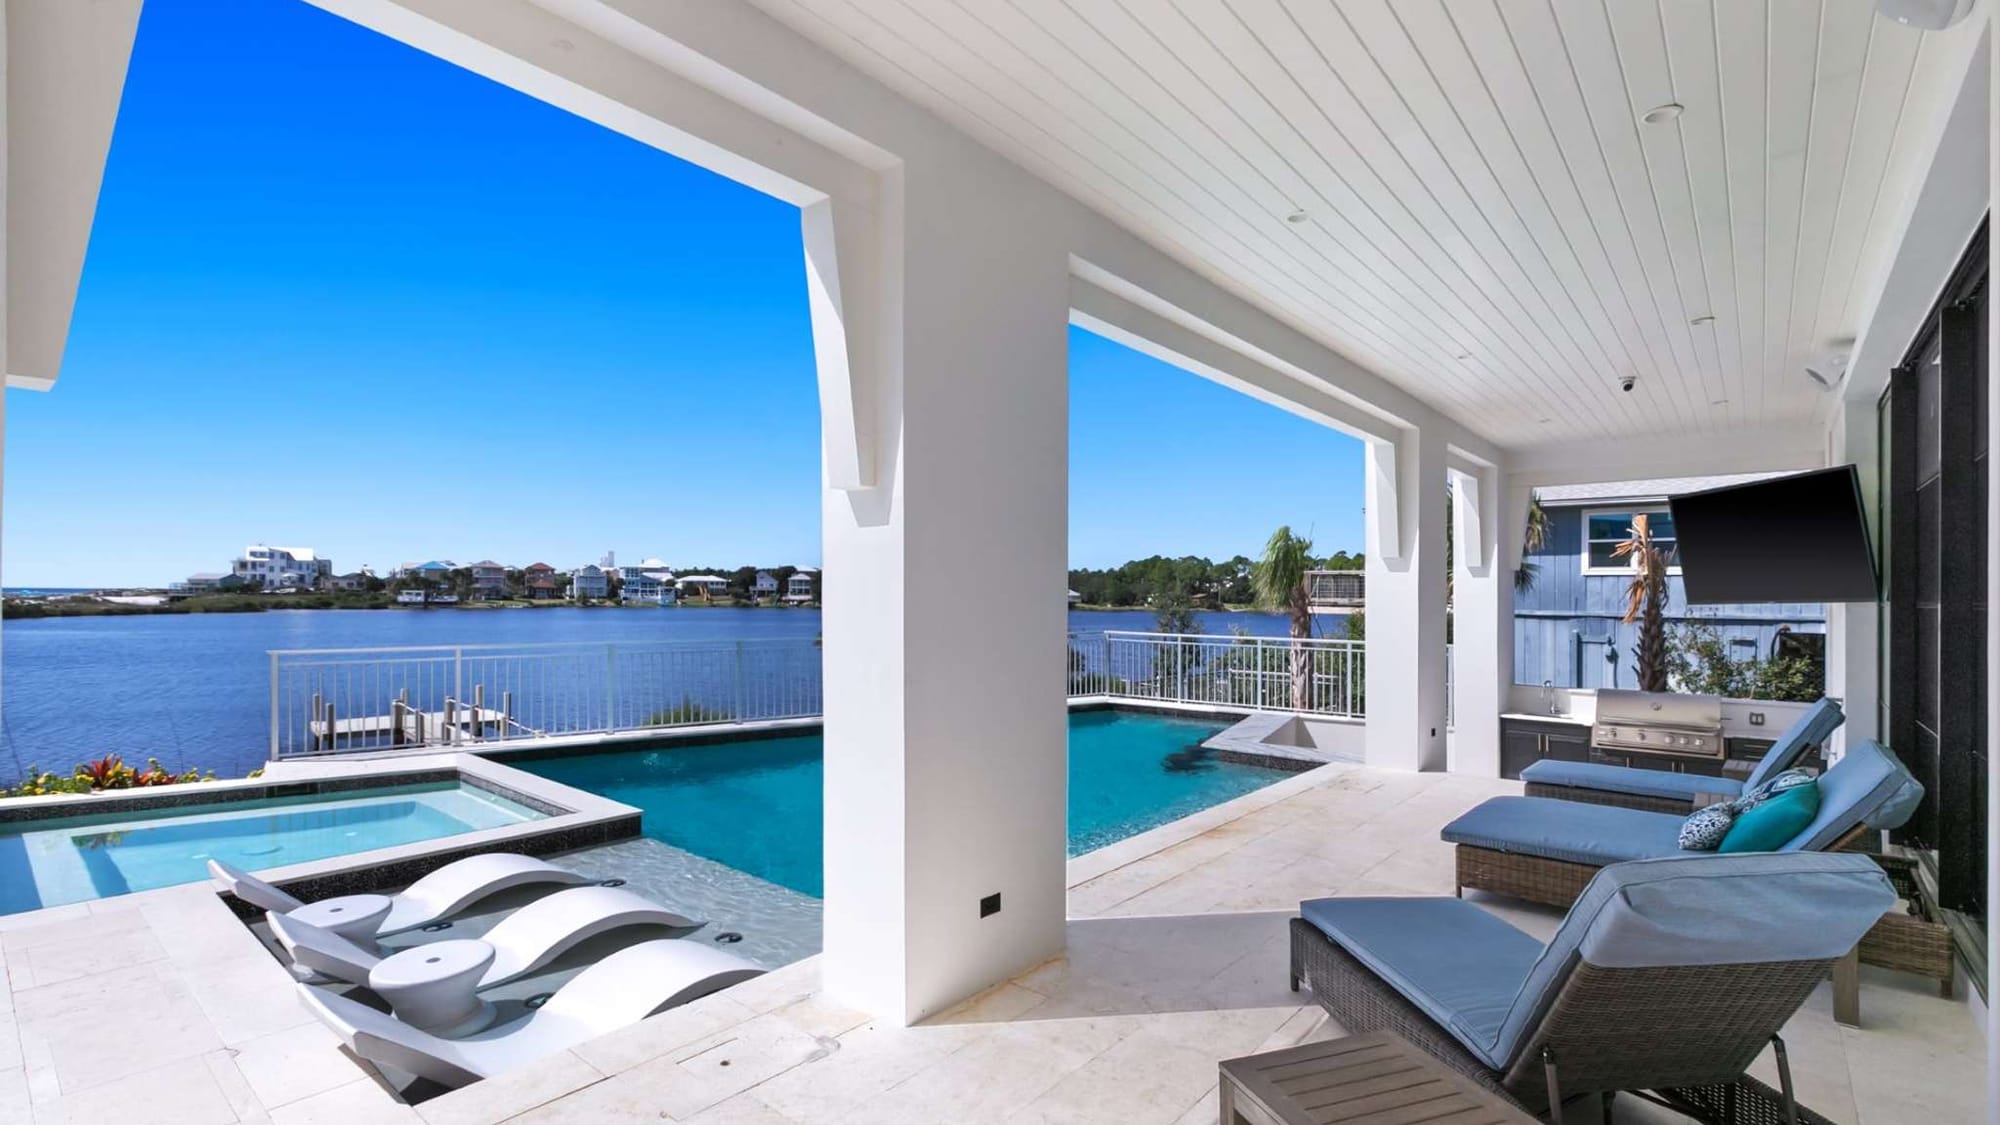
1799	538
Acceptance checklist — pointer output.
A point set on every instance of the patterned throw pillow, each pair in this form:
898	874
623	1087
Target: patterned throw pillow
1789	779
1704	830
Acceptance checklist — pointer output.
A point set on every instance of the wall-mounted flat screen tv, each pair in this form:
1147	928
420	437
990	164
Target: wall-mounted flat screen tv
1798	538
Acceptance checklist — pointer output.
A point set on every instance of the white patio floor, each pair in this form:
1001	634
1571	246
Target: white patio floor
160	1007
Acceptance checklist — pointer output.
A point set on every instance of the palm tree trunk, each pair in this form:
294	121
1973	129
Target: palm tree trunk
1301	656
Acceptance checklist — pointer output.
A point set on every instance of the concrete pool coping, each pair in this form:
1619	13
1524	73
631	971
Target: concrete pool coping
570	818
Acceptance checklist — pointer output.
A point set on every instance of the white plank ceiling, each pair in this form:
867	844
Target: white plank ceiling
1461	194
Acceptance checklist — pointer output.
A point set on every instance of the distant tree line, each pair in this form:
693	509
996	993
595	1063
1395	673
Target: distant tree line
1188	580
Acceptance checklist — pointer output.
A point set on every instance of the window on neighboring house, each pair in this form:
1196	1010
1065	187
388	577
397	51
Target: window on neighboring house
1605	528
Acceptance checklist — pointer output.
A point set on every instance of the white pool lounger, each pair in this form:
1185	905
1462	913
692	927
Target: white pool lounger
522	942
438	895
624	988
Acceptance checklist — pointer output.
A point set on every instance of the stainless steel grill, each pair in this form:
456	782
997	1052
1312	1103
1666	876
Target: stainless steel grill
1658	723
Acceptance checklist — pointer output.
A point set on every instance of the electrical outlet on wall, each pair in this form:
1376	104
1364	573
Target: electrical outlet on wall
1756	718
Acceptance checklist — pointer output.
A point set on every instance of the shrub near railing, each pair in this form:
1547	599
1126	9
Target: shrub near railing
102	775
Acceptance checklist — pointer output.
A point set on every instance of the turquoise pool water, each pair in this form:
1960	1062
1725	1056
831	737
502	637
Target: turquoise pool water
51	862
755	805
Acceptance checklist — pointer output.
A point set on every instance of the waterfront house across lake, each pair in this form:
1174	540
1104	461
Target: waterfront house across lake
699	585
489	579
282	567
799	587
648	587
589	582
1567	621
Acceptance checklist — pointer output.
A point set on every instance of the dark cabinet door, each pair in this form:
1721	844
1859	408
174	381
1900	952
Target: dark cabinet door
1568	747
1519	749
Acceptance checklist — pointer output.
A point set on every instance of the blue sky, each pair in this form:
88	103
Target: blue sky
344	295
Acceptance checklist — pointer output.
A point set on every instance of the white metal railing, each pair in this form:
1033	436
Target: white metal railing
340	700
1317	675
327	701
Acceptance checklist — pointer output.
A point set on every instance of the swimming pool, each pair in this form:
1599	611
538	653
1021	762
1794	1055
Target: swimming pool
756	805
51	862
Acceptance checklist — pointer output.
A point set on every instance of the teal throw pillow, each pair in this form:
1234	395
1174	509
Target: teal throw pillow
1771	824
1789	779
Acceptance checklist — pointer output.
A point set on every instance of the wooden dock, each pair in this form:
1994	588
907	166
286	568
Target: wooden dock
415	724
404	725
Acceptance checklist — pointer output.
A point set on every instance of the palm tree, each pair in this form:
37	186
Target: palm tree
1533	538
1279	579
1646	602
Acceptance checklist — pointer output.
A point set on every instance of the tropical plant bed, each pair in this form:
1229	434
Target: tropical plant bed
104	775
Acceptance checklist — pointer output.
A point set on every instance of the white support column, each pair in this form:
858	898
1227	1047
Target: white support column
1482	648
946	733
1405	606
1853	640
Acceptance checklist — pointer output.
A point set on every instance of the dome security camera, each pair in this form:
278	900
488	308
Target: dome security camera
1626	383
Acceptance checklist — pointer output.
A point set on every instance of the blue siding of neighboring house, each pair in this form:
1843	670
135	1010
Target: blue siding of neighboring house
1567	628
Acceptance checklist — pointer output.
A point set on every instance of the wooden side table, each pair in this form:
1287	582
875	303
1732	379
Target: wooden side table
1374	1079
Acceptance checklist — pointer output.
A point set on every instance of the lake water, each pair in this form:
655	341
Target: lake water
194	690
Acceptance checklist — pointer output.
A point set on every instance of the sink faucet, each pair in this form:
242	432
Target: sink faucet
1549	697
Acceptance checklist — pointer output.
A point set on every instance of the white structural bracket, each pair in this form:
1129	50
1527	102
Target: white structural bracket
1385	500
847	299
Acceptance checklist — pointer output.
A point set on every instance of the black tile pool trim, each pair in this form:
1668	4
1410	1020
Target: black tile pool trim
1278	762
401	873
195	793
712	737
662	742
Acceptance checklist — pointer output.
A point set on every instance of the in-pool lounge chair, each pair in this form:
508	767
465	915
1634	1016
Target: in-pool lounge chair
1663	791
624	988
438	895
1546	851
522	942
1668	976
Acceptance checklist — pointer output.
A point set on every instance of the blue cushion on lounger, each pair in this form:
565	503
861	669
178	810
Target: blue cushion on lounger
1810	729
1807	731
1453	960
1628	779
1568	830
1866	786
1703	909
1460	965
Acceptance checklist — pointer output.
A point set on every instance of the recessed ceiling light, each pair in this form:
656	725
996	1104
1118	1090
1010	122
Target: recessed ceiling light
1718	402
1701	320
1661	114
1297	217
1543	421
1463	355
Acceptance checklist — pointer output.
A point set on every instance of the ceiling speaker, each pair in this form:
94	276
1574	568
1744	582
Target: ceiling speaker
1927	15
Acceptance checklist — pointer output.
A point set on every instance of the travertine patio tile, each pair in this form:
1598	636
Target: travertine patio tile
296	1063
361	1102
176	1094
518	1091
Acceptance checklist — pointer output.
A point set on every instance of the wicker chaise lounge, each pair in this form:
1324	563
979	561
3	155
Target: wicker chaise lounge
1669	976
1662	791
1547	851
